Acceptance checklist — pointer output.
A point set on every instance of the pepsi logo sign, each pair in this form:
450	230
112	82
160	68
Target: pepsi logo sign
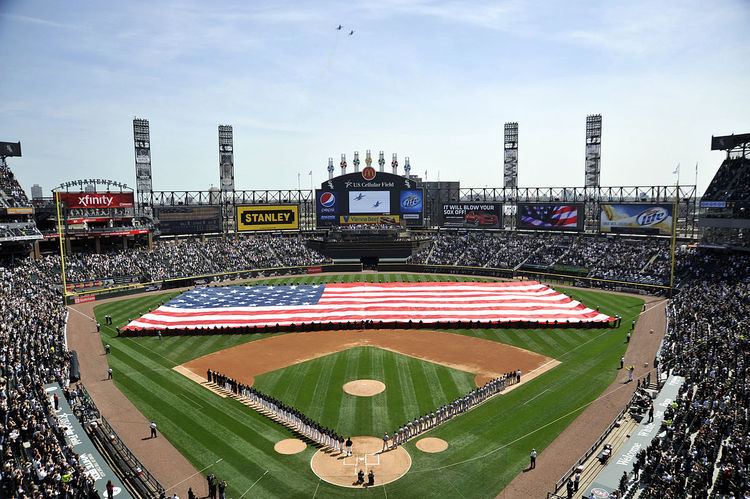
327	199
368	173
652	216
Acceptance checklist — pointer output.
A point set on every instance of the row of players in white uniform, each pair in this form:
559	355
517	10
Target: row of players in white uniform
295	420
448	411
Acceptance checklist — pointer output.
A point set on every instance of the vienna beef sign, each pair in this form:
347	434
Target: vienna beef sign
82	200
267	217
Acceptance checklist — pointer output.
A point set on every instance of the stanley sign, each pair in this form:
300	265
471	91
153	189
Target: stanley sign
267	217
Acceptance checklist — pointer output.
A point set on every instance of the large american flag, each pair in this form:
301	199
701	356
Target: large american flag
563	216
429	302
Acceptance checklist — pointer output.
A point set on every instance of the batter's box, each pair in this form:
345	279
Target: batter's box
356	460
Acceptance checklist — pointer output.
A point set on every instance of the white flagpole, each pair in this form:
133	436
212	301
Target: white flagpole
696	177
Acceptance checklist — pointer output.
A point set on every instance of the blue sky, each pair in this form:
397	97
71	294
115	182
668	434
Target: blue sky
431	80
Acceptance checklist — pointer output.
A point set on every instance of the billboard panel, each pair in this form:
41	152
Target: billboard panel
188	219
79	200
369	193
327	207
550	216
411	204
9	149
267	217
369	219
369	202
640	218
484	215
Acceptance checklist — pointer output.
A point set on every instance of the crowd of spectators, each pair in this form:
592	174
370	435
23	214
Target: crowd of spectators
704	447
637	260
11	192
192	257
731	182
36	460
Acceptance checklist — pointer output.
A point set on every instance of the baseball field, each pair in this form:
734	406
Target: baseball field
486	447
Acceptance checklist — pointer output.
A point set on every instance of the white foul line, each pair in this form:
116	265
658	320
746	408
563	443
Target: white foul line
535	396
253	485
196	473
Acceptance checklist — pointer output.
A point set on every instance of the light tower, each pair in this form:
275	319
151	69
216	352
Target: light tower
381	161
592	170
330	168
343	164
407	167
368	158
593	150
226	158
394	164
510	156
356	161
142	143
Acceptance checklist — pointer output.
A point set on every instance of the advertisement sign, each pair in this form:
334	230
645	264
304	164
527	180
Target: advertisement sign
24	210
410	203
188	219
713	204
637	218
484	215
550	216
369	193
267	217
369	219
84	299
327	207
92	462
96	199
369	202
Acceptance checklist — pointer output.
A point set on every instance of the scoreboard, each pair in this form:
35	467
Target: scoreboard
369	197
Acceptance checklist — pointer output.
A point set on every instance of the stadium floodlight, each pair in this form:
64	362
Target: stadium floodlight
510	156
226	158
142	145
593	150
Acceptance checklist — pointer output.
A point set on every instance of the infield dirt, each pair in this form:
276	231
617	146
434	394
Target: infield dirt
484	358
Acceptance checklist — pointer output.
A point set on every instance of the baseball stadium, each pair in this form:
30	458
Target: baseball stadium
377	334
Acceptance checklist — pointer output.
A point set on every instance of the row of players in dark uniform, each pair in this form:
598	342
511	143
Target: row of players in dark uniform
289	416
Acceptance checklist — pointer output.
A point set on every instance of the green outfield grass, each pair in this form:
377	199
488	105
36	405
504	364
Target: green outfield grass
314	387
488	446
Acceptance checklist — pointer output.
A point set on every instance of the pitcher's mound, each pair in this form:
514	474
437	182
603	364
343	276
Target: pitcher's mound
289	446
339	469
364	387
432	445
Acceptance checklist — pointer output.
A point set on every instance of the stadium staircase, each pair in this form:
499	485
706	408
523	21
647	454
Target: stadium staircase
648	263
523	262
429	253
593	466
